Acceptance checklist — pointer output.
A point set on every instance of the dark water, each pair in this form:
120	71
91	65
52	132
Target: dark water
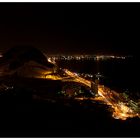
119	74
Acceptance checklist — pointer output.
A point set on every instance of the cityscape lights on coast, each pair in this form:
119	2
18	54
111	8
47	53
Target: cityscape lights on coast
122	106
85	57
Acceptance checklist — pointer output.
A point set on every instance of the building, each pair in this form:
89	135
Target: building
94	86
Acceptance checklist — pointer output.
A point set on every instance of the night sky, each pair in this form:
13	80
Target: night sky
71	28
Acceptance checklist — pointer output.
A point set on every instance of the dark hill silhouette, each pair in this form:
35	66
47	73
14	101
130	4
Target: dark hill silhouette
19	55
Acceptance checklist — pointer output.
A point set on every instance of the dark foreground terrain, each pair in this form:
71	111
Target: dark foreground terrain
37	118
28	110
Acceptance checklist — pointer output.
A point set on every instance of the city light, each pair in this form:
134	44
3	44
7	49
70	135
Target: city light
122	107
84	57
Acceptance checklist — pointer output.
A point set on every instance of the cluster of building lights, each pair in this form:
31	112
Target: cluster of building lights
85	57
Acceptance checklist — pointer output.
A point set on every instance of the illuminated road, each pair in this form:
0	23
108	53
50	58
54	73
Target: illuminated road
122	109
111	98
77	78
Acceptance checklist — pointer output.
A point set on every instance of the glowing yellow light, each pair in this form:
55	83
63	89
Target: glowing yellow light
120	110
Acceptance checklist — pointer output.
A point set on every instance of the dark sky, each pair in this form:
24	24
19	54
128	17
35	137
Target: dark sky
73	28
